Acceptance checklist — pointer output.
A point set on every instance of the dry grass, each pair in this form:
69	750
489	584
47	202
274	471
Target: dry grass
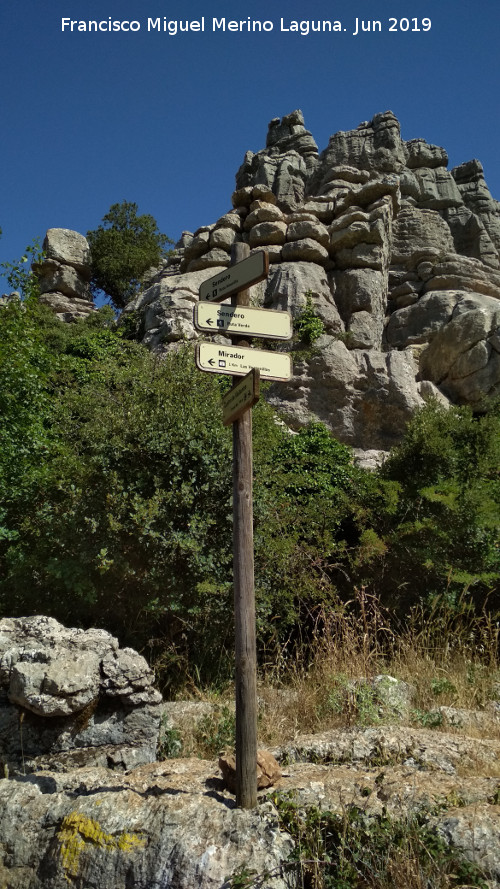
449	656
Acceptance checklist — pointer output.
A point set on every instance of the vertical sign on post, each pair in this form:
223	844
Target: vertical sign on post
244	593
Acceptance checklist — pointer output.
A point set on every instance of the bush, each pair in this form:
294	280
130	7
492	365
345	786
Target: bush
444	534
123	248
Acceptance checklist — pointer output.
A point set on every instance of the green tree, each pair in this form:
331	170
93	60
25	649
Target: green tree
443	536
123	248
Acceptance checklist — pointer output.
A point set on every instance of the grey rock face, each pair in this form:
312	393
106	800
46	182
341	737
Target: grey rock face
388	243
68	248
464	355
365	397
166	308
169	824
72	695
64	274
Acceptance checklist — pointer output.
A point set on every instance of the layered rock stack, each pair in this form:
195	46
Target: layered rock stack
64	274
399	256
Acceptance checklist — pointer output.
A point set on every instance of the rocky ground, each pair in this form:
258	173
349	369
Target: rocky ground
173	823
84	802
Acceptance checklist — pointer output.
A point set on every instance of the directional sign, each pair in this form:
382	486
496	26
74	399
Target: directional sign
241	397
241	320
236	277
238	361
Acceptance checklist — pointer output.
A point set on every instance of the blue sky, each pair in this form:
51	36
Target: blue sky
91	119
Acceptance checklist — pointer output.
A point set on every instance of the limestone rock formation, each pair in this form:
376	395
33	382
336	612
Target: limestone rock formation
174	824
399	256
64	274
73	705
73	696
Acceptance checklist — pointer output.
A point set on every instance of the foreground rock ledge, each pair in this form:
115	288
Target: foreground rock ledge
172	824
83	802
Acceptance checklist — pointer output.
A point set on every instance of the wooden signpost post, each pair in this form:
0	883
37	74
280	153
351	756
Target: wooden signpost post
239	359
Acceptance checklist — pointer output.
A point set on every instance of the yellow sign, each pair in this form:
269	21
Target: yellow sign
236	278
243	320
238	361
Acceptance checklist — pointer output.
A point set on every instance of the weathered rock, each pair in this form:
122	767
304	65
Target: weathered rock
417	235
174	824
267	770
166	308
463	358
223	238
420	154
64	274
477	198
364	397
284	165
304	250
267	233
290	284
53	276
264	212
419	322
387	241
308	228
72	695
361	295
167	824
68	248
67	308
374	146
211	260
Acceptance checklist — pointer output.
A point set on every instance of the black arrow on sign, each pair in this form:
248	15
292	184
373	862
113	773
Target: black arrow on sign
209	321
211	361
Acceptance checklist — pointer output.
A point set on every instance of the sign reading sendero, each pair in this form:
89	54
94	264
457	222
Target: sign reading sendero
238	360
243	320
235	278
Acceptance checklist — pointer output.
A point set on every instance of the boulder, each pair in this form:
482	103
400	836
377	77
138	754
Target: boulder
72	696
68	248
463	358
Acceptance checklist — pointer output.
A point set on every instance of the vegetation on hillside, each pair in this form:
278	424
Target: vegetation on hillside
115	503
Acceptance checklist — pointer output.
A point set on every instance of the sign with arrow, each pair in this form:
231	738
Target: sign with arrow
239	360
243	320
236	278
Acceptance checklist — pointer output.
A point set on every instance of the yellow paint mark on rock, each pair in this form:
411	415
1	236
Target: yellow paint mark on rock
77	831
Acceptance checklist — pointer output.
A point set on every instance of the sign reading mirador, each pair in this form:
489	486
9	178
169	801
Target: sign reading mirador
236	278
238	360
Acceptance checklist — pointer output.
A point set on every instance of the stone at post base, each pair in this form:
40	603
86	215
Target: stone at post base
268	771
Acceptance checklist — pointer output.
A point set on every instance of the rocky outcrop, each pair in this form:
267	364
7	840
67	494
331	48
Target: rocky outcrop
389	246
174	824
71	696
64	274
83	802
